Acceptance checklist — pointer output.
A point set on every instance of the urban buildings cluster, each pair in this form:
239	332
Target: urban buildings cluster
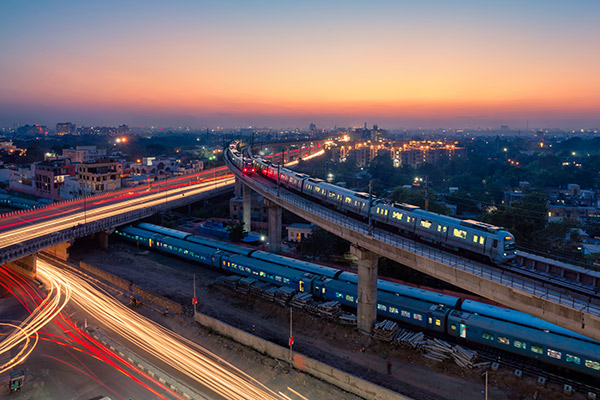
87	170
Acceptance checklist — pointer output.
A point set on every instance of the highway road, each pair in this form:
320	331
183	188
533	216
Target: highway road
54	218
192	366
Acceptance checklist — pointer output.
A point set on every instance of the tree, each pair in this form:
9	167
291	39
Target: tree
236	231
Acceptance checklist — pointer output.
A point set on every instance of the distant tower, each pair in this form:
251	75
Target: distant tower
365	126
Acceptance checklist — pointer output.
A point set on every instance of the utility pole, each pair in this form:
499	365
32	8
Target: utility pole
291	341
370	204
278	177
195	299
426	194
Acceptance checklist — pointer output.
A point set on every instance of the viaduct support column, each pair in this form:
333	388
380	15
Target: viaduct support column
247	207
237	189
26	266
103	238
274	227
367	288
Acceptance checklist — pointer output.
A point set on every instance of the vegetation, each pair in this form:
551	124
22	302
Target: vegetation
236	231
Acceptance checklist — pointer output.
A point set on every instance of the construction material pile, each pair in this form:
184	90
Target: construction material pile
385	330
301	300
331	309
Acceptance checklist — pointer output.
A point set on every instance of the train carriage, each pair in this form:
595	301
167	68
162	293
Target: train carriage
549	347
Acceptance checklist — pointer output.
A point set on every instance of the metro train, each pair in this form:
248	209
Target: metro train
468	236
468	320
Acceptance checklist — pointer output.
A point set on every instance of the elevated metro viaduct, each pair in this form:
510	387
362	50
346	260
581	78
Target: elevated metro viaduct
21	257
368	248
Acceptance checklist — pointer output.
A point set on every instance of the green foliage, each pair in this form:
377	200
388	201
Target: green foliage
323	245
236	231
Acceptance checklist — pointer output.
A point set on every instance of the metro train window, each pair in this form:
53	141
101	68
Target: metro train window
453	327
263	274
475	238
520	345
572	359
348	200
277	278
425	223
504	340
286	281
537	349
409	219
248	270
393	310
592	364
381	307
349	298
459	233
418	317
442	229
481	239
405	314
438	322
487	336
397	215
463	330
554	354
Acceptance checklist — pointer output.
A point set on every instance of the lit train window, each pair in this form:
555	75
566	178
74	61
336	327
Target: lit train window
248	270
405	314
348	200
286	280
409	219
463	330
393	310
262	274
488	336
425	223
554	354
520	345
438	322
475	238
418	317
504	340
592	364
381	307
442	229
573	359
481	239
397	215
349	298
278	278
537	349
459	233
339	295
453	327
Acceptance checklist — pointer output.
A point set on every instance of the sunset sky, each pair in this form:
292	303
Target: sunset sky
288	63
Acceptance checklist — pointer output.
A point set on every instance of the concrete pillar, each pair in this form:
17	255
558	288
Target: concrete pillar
103	239
247	207
26	266
237	189
61	250
367	288
274	227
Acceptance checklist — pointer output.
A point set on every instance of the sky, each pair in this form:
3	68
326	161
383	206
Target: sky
283	63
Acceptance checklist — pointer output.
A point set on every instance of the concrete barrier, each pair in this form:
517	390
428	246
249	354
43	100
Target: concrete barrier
341	379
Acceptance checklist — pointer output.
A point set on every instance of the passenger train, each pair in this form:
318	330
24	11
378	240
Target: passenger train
468	236
468	320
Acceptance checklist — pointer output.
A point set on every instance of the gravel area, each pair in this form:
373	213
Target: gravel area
339	346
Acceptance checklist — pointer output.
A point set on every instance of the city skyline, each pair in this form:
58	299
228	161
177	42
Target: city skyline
232	63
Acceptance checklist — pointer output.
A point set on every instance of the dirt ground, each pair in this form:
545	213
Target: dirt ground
412	374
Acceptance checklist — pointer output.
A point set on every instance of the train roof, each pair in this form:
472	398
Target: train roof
197	248
297	264
164	230
406	291
269	267
534	336
516	317
218	244
140	232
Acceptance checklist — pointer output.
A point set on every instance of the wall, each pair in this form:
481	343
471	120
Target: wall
315	368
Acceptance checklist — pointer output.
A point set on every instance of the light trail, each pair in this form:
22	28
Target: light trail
96	210
56	299
183	355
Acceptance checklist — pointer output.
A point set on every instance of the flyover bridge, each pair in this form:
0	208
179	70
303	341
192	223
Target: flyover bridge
532	295
23	233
